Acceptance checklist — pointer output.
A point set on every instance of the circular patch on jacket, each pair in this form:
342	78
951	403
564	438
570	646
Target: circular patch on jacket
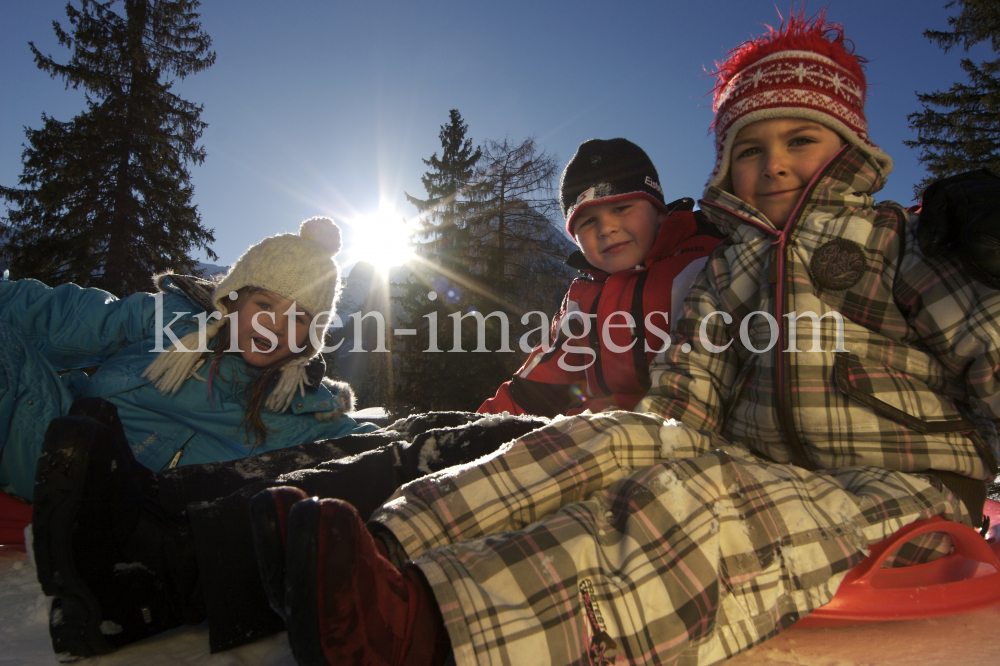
838	264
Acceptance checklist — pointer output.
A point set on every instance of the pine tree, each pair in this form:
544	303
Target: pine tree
105	199
376	385
450	175
959	130
442	212
439	248
492	253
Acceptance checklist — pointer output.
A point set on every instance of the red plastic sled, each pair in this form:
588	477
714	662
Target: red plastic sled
968	579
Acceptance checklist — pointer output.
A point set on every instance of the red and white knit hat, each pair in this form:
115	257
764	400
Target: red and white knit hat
802	70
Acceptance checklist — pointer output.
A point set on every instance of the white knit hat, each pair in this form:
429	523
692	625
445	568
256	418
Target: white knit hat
300	268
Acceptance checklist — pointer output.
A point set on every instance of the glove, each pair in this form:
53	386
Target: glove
961	214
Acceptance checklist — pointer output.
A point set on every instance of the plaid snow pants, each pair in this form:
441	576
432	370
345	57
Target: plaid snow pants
624	538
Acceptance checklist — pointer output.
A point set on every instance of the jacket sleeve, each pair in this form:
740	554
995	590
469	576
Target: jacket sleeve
958	320
692	386
503	401
550	382
73	327
525	396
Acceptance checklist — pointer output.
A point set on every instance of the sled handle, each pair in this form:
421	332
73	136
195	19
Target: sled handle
965	580
967	542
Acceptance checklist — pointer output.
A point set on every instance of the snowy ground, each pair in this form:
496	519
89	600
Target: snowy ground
961	639
24	634
376	415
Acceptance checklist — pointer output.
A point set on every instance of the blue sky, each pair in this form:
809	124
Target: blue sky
326	108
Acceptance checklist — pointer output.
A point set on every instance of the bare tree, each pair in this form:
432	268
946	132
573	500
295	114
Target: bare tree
517	250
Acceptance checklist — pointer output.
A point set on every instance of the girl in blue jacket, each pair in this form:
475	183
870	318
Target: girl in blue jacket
199	372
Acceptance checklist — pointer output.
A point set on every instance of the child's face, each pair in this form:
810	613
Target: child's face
254	344
617	235
774	160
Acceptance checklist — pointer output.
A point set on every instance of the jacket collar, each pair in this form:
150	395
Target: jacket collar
849	179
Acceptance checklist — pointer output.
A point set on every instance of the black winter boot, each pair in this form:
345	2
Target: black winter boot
269	511
119	567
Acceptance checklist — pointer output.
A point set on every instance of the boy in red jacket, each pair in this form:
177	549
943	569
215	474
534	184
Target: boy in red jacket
638	256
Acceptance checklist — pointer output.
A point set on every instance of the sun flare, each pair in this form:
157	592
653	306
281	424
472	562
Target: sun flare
381	239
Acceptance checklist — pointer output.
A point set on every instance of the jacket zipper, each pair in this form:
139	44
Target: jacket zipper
639	361
785	413
778	247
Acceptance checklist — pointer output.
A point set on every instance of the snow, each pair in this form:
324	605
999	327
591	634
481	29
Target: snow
369	413
963	639
670	434
429	454
377	415
493	419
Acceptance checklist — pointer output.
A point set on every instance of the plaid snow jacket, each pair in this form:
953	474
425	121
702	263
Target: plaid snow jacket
845	345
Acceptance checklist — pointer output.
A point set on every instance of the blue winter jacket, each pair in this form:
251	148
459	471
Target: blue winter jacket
45	330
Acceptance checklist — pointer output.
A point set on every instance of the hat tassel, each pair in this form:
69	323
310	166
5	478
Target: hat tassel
170	369
292	379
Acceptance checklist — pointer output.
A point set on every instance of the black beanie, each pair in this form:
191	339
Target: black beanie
605	169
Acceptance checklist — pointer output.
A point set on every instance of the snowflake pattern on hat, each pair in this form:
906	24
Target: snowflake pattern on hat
802	70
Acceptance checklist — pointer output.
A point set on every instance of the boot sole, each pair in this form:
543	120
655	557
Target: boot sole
75	617
302	584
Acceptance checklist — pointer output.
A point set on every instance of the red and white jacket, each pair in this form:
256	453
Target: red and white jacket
580	372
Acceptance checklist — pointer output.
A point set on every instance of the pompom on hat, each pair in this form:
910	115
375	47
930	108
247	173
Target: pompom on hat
803	69
299	267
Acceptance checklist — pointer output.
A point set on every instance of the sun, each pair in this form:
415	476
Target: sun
381	239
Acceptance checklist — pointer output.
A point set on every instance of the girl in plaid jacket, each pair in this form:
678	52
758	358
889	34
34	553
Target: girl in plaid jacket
752	478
